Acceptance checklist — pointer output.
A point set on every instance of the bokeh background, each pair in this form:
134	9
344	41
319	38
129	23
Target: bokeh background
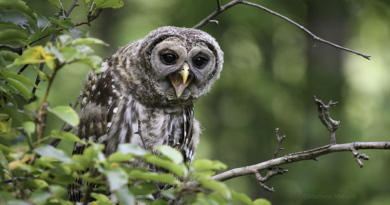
271	72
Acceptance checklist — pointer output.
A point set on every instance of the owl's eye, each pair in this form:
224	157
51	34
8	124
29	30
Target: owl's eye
168	58
200	61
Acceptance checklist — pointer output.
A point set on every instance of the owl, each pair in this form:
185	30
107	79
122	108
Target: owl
144	94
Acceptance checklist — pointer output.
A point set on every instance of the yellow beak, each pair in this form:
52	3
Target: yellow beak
180	79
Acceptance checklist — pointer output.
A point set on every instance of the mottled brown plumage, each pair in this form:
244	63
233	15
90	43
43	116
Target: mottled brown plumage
149	84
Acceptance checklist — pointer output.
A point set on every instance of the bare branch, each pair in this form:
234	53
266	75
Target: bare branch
219	4
323	114
221	9
280	140
71	8
22	69
301	156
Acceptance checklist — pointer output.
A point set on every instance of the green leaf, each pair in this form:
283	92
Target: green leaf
14	17
116	177
77	33
241	197
40	196
206	164
2	62
64	23
19	5
56	3
37	35
29	127
217	186
3	164
26	93
13	35
67	114
170	152
6	149
261	202
51	152
8	55
108	3
119	157
88	41
66	136
159	202
93	61
125	196
66	54
143	188
101	198
33	55
131	149
57	190
165	178
5	122
180	170
20	78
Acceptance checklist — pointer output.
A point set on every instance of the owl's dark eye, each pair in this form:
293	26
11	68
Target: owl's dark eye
200	61
168	58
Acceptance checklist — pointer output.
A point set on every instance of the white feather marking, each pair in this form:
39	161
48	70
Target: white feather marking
115	110
104	66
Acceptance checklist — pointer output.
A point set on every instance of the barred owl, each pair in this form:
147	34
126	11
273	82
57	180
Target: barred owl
151	85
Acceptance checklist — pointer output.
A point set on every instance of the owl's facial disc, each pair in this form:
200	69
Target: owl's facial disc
181	79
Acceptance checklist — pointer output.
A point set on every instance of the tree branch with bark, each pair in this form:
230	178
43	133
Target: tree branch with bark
220	9
273	165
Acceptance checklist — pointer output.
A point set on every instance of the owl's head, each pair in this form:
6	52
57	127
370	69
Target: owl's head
177	65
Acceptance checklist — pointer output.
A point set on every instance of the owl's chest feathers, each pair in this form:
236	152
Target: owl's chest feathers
147	127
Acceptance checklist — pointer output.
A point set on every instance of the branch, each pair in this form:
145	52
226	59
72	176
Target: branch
305	155
273	164
18	50
221	9
280	140
323	114
71	8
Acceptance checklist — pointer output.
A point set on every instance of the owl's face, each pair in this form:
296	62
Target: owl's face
181	69
178	65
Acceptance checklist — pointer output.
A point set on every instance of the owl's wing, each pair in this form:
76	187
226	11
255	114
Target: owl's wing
97	101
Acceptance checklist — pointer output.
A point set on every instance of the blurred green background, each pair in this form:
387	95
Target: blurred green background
271	71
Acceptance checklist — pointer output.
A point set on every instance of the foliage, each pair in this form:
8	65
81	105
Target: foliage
35	172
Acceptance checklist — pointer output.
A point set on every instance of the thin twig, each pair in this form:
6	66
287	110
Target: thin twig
90	18
22	69
323	113
71	8
17	178
38	79
218	4
88	22
279	140
235	2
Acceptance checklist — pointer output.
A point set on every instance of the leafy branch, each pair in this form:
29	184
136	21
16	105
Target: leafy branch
223	8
